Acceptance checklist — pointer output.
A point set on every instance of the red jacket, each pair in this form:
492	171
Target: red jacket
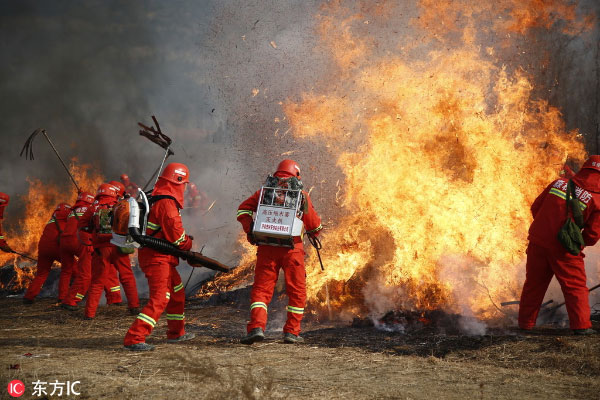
310	218
164	222
51	234
70	237
88	222
549	210
3	203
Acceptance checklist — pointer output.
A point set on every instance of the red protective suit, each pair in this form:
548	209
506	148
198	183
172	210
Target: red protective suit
269	259
4	198
164	282
76	243
48	250
546	257
105	257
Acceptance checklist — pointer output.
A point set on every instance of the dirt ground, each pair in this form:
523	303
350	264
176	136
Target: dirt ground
336	361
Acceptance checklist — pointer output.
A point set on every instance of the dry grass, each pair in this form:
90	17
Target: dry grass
336	362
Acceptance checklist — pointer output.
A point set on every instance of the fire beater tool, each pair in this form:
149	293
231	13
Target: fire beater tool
509	303
552	310
316	243
21	254
28	150
156	136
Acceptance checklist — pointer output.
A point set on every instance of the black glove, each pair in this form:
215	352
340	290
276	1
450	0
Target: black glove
250	238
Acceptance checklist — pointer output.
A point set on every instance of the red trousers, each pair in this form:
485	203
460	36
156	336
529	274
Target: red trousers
46	257
82	272
104	260
166	291
542	265
269	260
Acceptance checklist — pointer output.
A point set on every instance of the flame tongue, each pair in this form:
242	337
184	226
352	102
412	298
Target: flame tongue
454	150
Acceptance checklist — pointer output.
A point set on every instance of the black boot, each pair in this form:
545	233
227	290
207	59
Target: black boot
255	335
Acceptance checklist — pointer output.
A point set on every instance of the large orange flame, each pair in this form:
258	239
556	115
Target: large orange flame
452	150
40	201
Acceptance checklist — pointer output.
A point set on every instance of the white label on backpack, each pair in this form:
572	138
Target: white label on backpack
275	228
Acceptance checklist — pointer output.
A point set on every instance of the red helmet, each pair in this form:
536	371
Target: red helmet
124	177
119	186
85	197
290	167
4	199
593	162
106	189
176	172
62	207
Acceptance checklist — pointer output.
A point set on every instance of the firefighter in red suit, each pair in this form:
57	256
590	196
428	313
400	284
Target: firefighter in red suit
546	257
48	251
105	256
75	242
130	187
126	275
269	259
3	203
70	245
164	282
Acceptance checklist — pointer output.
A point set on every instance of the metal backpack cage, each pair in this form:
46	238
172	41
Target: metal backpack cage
279	214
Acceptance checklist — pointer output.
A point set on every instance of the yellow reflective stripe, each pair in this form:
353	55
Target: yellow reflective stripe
180	240
178	287
79	296
147	319
176	317
258	304
317	229
115	288
51	221
152	226
559	193
563	195
242	212
168	295
295	310
1	237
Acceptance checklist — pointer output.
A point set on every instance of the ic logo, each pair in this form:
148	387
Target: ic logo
16	388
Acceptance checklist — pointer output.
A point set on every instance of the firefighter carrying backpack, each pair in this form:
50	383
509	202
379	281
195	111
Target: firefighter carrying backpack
122	216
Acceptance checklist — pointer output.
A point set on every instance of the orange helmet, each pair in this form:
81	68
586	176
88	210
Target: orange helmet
124	177
593	162
85	197
290	167
119	186
176	172
106	189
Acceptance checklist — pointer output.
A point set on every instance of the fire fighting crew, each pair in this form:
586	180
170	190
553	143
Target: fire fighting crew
4	198
269	261
48	251
164	282
75	242
105	256
547	257
130	187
